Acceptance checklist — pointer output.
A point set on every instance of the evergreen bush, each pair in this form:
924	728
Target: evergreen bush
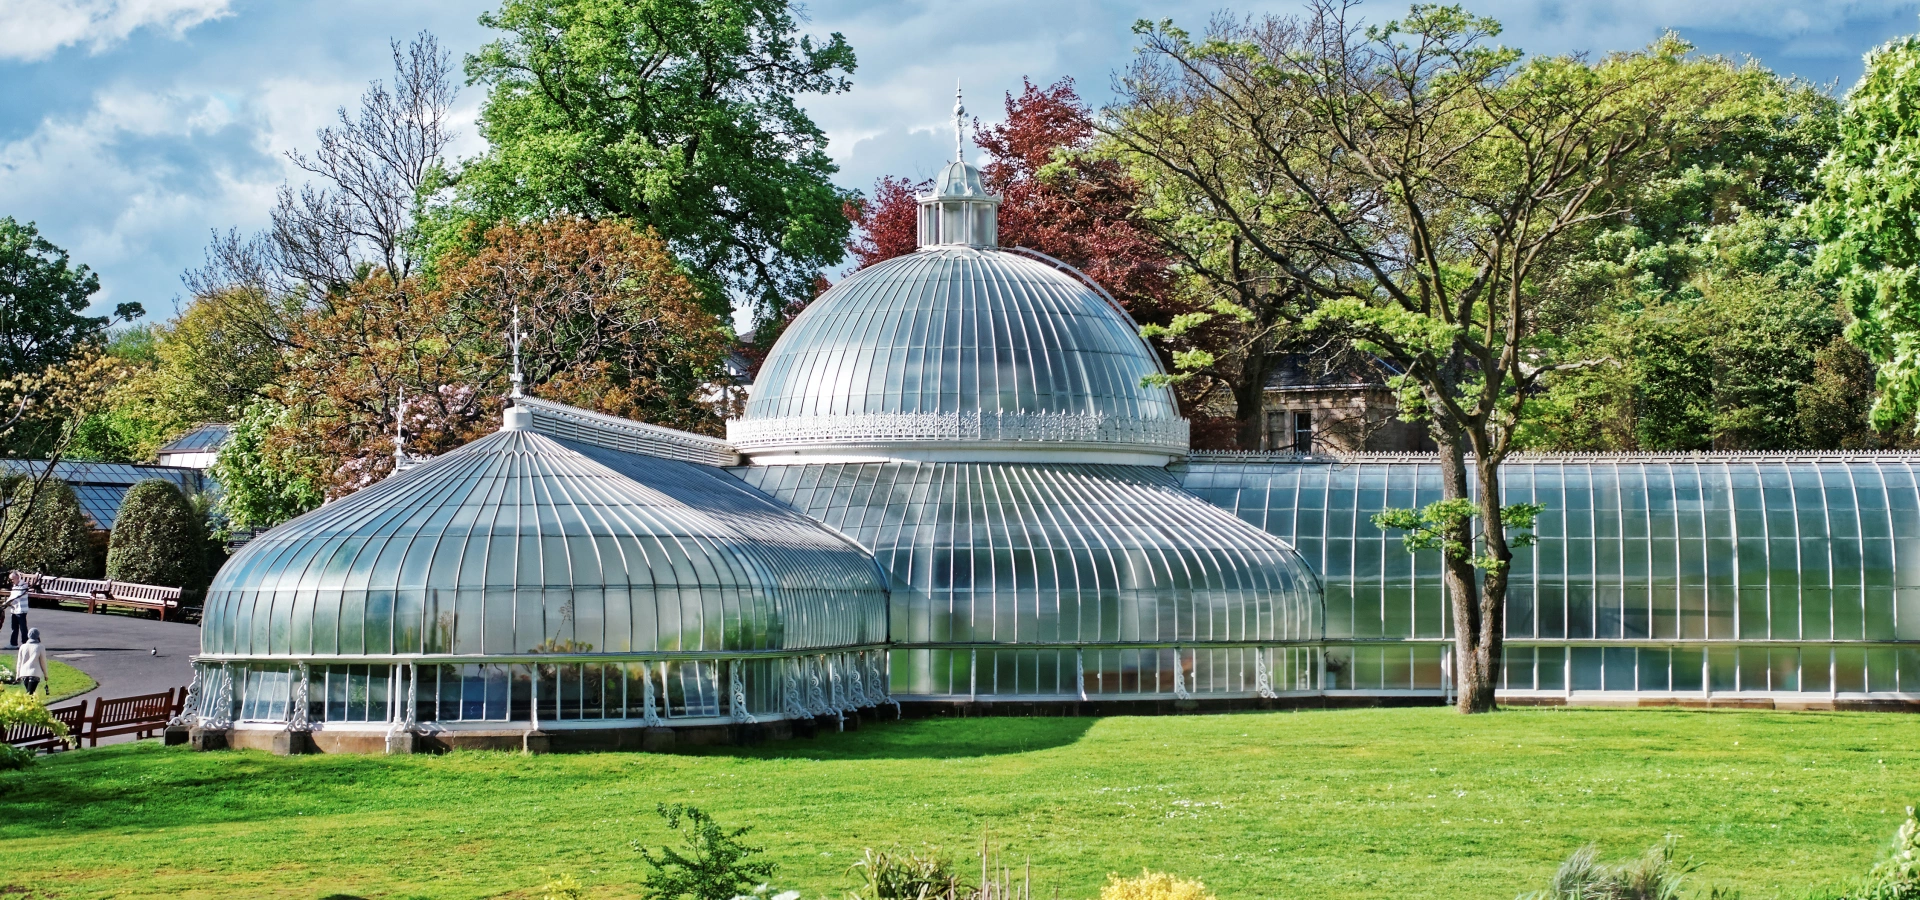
158	539
56	536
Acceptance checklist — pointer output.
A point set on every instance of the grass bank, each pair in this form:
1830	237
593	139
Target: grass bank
1363	803
63	681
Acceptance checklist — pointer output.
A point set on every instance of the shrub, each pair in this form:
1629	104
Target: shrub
715	866
1898	876
158	539
1654	876
17	708
897	874
565	887
56	537
1153	886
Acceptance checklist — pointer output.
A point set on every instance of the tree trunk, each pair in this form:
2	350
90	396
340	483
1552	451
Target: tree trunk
1250	397
1475	663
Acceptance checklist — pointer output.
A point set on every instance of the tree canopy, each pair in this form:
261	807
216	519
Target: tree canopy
158	538
48	532
1864	218
43	301
680	116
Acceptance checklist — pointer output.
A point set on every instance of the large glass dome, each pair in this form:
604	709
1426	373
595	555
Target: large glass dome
956	348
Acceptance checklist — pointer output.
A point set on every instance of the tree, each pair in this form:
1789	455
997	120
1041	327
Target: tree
372	168
1704	299
43	302
1864	219
1412	186
1062	200
886	225
680	116
48	533
612	321
158	539
611	324
264	479
715	866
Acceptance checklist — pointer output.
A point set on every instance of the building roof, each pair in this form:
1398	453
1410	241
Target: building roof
101	487
1318	372
955	345
201	439
1056	554
523	543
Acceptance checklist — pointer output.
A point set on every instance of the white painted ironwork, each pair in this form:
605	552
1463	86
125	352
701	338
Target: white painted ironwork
298	700
1180	691
189	714
737	691
816	694
571	423
1051	427
222	696
856	691
1262	676
792	700
649	713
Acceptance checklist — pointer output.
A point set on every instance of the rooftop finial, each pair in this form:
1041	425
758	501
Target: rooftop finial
959	126
514	340
400	460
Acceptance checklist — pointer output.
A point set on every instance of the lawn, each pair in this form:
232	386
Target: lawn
1400	803
63	681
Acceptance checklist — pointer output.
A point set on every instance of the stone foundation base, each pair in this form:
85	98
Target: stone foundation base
1809	704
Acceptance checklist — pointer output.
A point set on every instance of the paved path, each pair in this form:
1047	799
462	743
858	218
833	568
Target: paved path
126	654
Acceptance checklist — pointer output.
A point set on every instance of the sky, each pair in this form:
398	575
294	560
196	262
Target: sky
131	130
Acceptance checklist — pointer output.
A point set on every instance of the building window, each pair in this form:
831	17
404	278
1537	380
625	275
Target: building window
1303	431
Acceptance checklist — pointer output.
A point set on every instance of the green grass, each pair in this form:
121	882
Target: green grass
63	681
1364	803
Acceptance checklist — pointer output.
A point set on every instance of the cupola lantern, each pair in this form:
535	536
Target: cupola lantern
959	210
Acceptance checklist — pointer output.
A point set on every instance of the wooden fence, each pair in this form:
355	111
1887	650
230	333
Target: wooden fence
145	715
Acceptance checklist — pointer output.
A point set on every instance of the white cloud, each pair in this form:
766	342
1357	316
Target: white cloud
34	29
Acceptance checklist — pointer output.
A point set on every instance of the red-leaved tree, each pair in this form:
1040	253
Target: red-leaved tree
1061	201
884	225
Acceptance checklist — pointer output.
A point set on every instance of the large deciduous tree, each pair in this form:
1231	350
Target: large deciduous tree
1412	185
43	302
1865	220
681	116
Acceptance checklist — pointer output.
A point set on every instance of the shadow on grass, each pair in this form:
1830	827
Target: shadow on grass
920	739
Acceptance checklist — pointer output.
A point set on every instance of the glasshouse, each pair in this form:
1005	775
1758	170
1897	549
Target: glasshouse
954	489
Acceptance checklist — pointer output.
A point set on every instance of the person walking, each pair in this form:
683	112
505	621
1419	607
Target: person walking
30	664
16	607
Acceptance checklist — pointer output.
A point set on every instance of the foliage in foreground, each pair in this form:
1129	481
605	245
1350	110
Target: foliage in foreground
715	866
1154	886
900	874
1898	876
20	708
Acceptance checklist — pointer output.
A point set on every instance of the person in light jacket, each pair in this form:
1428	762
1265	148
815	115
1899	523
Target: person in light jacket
16	606
30	664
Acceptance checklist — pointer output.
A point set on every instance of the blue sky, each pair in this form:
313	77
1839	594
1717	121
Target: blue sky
131	129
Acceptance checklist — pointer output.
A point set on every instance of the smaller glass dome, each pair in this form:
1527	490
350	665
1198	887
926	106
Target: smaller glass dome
519	543
960	210
958	179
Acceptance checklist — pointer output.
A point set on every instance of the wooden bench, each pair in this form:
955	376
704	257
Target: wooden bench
34	737
144	716
98	593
